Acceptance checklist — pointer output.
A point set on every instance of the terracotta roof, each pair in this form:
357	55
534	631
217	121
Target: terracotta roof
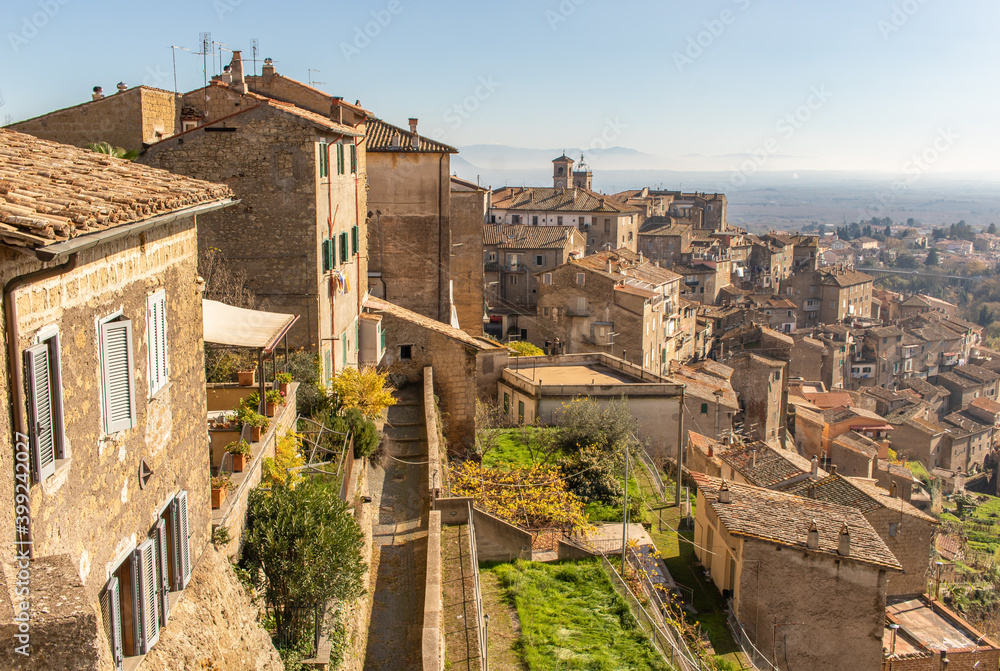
765	466
896	469
714	368
51	192
703	442
784	519
548	199
519	236
379	305
835	488
626	264
854	441
927	390
976	373
381	136
828	399
703	386
986	404
895	503
843	278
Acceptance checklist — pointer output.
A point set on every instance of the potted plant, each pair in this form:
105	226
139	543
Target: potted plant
273	398
283	380
220	485
248	378
247	416
240	449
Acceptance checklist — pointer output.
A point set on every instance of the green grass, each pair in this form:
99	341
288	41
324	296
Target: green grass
919	471
571	618
511	449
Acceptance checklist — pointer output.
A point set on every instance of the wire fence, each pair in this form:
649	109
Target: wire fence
480	622
757	658
654	474
303	629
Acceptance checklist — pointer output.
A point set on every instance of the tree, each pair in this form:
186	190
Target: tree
906	261
303	548
585	423
992	230
932	257
364	389
115	152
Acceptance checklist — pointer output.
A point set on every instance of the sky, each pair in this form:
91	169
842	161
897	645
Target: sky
866	85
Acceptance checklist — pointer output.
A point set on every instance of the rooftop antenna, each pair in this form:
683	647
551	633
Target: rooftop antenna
221	46
254	47
207	47
313	82
173	56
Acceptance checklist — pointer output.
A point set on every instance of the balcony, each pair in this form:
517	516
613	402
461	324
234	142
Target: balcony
577	312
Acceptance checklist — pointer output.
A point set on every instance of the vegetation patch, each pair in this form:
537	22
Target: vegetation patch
571	618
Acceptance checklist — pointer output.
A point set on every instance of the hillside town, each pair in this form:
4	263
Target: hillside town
287	392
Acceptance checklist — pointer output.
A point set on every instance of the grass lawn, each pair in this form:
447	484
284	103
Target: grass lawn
511	448
571	618
919	471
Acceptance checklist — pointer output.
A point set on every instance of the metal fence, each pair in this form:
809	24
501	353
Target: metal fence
750	651
480	622
654	474
306	626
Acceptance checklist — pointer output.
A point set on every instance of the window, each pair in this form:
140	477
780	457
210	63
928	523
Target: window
534	220
607	226
893	528
520	412
630	236
405	352
547	278
324	159
777	375
188	125
506	403
833	305
580	279
559	221
545	312
354	158
539	260
355	236
117	388
156	340
513	279
43	379
340	158
329	255
343	246
704	408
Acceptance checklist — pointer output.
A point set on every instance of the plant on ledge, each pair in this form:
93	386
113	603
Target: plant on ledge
223	482
364	389
274	396
240	449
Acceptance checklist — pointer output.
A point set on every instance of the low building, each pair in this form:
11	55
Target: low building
514	254
761	465
815	431
804	575
710	402
922	633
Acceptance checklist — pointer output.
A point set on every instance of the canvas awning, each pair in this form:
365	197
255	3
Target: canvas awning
239	327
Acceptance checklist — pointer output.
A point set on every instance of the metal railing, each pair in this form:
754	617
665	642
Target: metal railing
480	622
754	656
654	474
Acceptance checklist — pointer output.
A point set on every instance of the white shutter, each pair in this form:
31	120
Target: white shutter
182	550
41	427
162	575
156	340
111	606
144	572
116	375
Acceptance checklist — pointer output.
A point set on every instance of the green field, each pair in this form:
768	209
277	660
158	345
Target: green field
572	618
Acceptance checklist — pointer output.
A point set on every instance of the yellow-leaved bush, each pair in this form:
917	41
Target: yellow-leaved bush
364	389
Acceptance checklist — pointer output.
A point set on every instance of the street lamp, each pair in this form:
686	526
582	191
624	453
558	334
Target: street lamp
486	642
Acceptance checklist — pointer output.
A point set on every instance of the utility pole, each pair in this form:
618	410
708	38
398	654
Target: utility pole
625	513
680	445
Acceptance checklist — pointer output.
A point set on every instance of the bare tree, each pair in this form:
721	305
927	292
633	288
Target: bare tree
227	285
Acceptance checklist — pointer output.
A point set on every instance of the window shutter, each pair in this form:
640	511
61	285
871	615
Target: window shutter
340	159
324	159
156	331
41	428
327	260
111	606
144	572
182	552
354	158
162	577
343	248
116	373
354	237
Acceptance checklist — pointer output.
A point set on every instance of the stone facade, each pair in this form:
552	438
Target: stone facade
910	537
469	207
761	383
828	295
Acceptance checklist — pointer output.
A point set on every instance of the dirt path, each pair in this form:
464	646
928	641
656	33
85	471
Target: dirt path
505	628
398	491
460	616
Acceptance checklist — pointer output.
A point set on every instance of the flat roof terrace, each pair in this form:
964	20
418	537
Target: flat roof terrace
926	625
576	374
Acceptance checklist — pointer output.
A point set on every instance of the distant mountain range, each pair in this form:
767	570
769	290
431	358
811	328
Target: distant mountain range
784	200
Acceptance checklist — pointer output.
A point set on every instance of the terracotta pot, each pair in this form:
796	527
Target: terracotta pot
248	378
283	387
271	409
239	462
218	496
255	434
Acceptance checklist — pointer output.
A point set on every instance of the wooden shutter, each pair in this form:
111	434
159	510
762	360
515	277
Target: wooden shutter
41	426
324	159
343	248
340	158
156	331
144	577
354	236
182	550
111	607
327	257
354	158
116	375
162	574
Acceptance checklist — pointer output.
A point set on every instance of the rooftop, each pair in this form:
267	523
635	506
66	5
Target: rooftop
766	466
925	624
547	199
519	236
383	136
379	305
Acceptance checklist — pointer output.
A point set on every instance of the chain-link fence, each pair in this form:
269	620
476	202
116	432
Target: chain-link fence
750	651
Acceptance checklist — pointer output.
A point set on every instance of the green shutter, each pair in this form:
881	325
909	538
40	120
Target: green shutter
343	248
354	238
354	158
327	256
340	159
324	159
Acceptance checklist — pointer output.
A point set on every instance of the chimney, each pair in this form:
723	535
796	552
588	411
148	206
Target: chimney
336	110
724	492
814	471
414	138
812	540
227	75
238	83
844	547
121	87
607	265
833	469
267	71
98	93
892	490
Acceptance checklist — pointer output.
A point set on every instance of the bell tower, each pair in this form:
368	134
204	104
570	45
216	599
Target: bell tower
562	171
582	176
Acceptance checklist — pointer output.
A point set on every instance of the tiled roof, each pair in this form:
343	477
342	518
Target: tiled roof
519	236
835	488
896	469
843	278
550	199
51	192
714	368
976	373
784	519
627	264
765	466
379	305
957	380
703	442
854	441
663	226
835	415
986	404
383	136
891	502
965	423
704	386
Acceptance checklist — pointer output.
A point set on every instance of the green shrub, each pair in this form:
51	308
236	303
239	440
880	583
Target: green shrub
523	348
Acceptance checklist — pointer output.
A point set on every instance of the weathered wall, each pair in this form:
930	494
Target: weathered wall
468	214
497	540
213	626
432	639
911	543
801	608
760	394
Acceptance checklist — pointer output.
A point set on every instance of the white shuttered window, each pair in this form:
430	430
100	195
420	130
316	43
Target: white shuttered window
45	411
111	607
156	340
145	575
182	550
117	388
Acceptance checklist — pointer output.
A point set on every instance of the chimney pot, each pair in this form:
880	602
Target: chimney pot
815	466
414	138
267	71
122	87
237	82
812	540
833	469
98	93
844	547
724	492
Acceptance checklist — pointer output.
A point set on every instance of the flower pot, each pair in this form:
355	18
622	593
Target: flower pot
283	387
255	434
239	462
218	496
272	408
248	378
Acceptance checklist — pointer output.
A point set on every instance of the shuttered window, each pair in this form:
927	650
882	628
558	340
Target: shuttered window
354	158
324	159
156	341
329	255
354	238
144	579
182	551
343	248
45	412
340	159
162	573
117	387
111	607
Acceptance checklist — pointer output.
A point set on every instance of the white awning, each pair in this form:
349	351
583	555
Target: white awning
239	327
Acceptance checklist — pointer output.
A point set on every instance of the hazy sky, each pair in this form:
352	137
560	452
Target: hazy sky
854	84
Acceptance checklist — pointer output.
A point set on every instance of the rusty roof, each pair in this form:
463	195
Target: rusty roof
383	136
52	192
520	236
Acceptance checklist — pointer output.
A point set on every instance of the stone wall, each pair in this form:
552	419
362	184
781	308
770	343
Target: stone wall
803	607
911	544
468	214
433	632
213	626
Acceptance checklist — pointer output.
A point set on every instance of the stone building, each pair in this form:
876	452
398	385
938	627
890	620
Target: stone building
922	634
516	257
470	206
829	294
104	331
762	465
967	383
614	302
300	230
762	385
664	241
710	402
132	118
804	576
703	279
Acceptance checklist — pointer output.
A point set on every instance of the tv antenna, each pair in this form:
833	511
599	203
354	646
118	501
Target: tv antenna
254	47
173	57
222	47
313	82
207	48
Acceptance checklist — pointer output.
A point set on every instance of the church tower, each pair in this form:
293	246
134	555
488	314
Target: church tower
582	176
562	169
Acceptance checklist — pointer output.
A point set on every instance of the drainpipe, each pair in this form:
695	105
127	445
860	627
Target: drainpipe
15	380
